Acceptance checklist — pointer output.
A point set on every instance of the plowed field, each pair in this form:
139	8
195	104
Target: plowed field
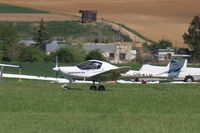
156	19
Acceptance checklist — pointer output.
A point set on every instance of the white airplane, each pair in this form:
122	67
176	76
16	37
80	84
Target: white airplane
6	65
92	70
176	69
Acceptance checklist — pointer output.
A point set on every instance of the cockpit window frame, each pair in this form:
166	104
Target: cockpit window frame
91	65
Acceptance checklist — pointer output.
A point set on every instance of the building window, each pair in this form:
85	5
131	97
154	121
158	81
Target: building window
112	56
122	56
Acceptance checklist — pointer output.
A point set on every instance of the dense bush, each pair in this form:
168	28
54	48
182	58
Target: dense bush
95	54
10	52
70	54
31	54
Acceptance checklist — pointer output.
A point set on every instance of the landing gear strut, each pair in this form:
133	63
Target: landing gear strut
66	86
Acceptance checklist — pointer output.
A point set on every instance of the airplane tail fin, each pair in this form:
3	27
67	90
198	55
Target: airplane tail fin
175	66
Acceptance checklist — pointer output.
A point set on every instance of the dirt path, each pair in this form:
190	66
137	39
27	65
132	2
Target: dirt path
126	32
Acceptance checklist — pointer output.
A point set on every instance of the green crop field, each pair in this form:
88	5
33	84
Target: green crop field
40	107
72	31
6	8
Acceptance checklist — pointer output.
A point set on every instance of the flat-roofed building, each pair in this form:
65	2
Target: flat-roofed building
164	55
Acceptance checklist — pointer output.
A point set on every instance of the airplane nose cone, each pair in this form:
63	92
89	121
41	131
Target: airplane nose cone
55	68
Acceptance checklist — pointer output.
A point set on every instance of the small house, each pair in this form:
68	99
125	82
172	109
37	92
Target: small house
114	52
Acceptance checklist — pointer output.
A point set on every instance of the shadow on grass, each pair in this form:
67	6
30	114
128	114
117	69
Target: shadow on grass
72	89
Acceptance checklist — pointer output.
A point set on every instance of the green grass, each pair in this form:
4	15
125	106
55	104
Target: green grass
72	31
6	8
34	106
40	107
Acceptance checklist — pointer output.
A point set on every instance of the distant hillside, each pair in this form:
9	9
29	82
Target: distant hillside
67	29
155	19
72	31
6	8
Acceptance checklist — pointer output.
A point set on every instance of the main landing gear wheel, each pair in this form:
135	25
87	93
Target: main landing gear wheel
101	88
189	79
93	87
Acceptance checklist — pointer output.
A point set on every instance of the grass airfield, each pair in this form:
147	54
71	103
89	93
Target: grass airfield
34	106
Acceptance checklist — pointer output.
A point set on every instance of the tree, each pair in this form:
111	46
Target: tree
42	36
10	46
95	54
192	38
70	54
9	34
162	44
11	52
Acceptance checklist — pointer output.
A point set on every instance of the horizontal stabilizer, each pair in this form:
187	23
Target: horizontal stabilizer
7	65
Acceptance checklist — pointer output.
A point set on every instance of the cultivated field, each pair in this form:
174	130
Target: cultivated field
156	19
41	107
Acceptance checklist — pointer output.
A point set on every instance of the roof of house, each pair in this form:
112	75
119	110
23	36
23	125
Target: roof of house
166	50
28	42
53	46
103	48
113	43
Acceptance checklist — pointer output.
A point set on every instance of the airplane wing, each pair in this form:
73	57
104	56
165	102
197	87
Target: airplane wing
7	65
18	76
52	79
109	75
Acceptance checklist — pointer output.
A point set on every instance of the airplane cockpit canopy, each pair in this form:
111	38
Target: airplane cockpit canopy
89	65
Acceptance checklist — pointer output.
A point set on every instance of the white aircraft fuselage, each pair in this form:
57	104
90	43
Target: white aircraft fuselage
86	69
176	69
92	70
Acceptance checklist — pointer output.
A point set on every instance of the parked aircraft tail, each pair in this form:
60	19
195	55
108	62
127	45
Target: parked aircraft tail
175	66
